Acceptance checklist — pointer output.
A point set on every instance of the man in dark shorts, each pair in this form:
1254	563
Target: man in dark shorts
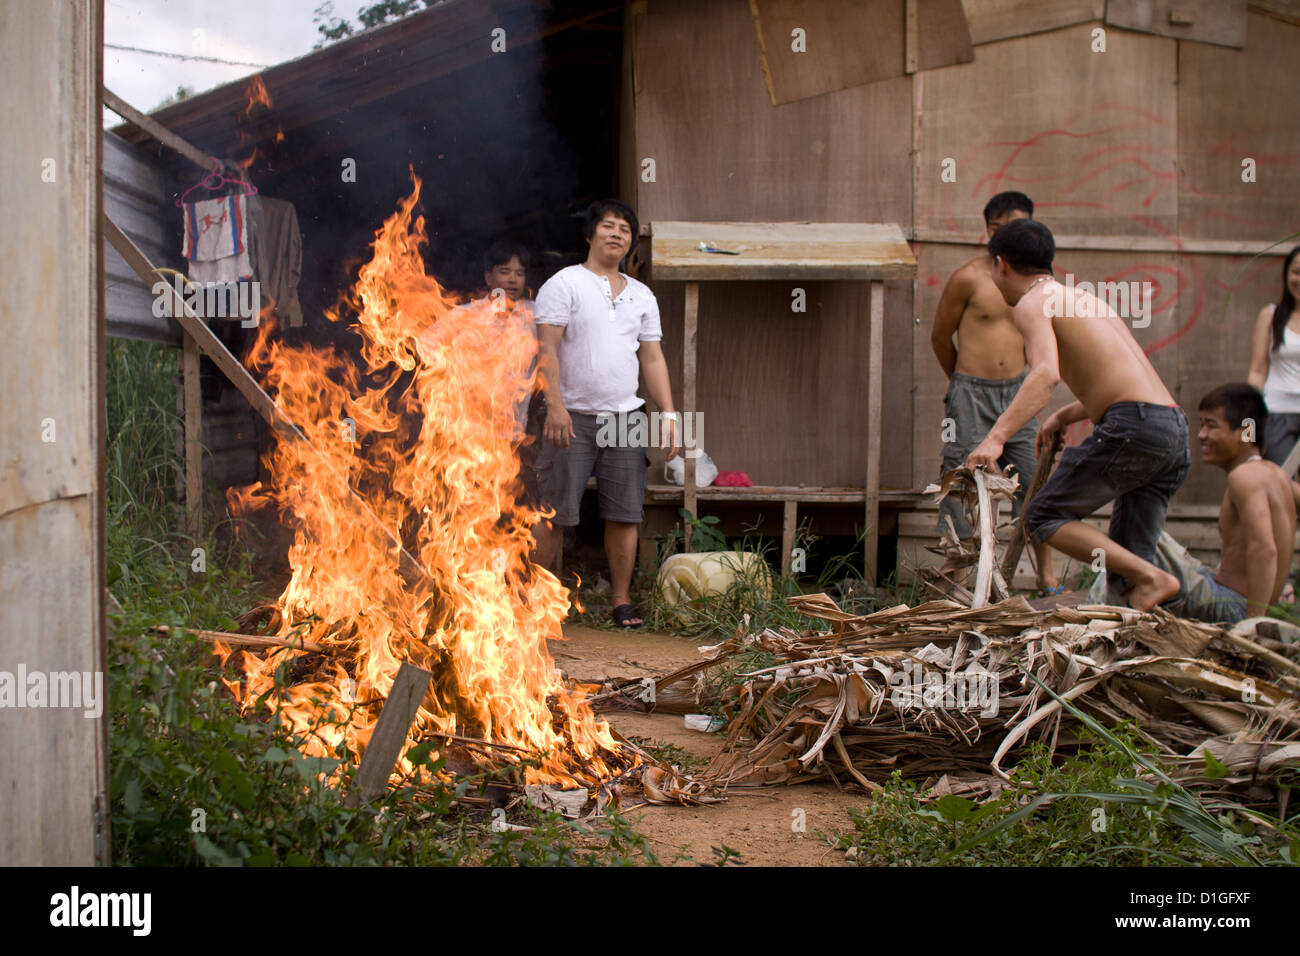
985	368
1137	454
1257	518
598	328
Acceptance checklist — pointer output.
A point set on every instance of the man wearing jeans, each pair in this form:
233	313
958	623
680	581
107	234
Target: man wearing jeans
1137	453
597	329
985	368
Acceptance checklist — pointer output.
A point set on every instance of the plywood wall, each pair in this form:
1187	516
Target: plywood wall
53	764
721	150
1236	105
1132	155
783	394
1091	137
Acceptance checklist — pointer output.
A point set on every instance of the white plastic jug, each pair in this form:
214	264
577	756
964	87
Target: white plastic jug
684	578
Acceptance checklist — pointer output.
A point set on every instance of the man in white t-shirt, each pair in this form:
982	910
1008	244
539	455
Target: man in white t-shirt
597	330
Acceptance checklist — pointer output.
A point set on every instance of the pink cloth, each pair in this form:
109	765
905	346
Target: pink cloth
732	479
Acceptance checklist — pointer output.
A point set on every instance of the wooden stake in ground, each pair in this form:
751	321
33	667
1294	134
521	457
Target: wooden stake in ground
1018	537
390	732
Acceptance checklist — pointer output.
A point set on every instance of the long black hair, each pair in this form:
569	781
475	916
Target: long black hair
1282	313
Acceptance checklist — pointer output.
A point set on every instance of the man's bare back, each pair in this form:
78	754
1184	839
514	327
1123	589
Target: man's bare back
1258	516
1098	358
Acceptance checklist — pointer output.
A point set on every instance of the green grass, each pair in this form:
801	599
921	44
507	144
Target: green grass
194	782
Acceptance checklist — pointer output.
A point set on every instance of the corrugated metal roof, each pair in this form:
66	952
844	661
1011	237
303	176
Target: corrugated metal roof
366	69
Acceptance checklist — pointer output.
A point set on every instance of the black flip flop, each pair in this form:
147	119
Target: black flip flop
625	613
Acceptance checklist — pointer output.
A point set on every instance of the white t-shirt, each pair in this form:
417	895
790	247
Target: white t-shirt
598	355
1282	386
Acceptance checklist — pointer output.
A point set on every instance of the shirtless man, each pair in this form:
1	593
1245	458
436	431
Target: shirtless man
1257	519
984	370
1137	453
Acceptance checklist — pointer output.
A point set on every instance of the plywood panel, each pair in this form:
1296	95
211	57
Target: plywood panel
722	151
780	250
1091	137
782	392
1234	105
943	36
992	20
1207	21
844	43
51	552
1227	293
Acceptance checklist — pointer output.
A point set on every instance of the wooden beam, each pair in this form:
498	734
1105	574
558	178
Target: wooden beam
1174	245
391	730
689	407
911	39
875	393
240	377
159	132
193	408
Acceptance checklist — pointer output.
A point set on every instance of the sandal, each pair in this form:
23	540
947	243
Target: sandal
624	614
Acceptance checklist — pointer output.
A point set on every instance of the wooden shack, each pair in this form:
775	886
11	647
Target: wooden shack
1156	137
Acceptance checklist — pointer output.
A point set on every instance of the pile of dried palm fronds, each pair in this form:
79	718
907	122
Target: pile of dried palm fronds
943	691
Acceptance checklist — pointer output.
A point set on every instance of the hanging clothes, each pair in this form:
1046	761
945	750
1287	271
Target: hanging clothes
277	255
216	239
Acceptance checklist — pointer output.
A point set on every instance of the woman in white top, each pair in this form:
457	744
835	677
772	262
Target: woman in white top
1275	364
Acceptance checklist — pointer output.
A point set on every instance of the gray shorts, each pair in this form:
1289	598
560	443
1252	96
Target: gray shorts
1281	432
1199	596
620	474
971	407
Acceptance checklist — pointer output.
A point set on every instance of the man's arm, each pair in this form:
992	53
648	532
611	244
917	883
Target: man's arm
655	368
1261	337
952	305
1250	497
558	428
1034	391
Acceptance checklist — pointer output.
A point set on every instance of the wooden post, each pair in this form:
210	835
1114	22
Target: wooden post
911	38
193	434
390	732
689	407
876	371
789	524
53	748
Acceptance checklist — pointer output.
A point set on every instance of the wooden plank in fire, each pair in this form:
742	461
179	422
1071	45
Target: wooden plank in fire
390	732
243	380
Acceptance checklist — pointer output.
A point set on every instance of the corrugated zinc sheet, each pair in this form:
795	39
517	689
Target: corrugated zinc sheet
135	198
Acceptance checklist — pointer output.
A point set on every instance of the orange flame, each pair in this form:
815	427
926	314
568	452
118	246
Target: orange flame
410	543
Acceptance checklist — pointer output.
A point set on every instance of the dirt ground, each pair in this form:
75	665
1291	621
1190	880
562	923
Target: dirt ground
761	825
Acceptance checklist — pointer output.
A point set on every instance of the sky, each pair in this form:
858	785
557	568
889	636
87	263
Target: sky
264	32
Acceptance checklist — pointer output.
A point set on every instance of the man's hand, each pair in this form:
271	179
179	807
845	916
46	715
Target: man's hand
668	430
559	426
1050	426
985	455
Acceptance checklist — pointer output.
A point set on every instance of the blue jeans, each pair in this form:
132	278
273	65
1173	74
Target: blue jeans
1136	456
